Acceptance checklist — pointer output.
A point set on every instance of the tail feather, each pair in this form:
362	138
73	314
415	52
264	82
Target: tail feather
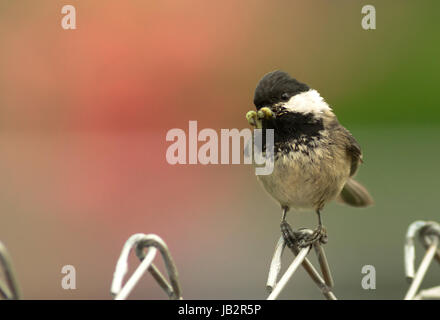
355	194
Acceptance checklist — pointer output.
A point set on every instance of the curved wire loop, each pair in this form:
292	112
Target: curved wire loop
429	235
324	283
153	243
9	290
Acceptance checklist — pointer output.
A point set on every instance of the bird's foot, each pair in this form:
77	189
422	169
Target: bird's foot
306	239
290	237
302	238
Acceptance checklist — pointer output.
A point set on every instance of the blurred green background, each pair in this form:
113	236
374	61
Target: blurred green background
84	115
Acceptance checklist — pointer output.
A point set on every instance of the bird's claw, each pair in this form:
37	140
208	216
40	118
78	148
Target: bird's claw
290	237
301	238
320	234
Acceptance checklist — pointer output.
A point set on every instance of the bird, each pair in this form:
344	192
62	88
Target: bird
315	157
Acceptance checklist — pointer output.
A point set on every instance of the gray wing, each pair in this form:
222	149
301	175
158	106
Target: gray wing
352	147
353	192
354	150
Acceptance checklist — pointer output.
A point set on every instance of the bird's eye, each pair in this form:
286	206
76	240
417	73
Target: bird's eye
285	97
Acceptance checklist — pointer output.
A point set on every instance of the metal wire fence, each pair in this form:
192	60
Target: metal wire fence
146	247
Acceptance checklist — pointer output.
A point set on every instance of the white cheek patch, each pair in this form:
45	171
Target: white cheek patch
307	102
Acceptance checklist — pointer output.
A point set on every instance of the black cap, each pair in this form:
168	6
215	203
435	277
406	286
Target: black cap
277	86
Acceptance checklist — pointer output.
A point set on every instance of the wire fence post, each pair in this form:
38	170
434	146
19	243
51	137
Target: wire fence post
9	290
300	255
146	247
429	236
153	243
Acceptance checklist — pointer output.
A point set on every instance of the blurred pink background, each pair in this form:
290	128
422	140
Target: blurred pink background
83	119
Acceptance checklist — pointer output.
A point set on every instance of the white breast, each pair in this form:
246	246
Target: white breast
302	181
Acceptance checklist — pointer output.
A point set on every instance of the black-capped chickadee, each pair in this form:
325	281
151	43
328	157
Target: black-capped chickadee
315	157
